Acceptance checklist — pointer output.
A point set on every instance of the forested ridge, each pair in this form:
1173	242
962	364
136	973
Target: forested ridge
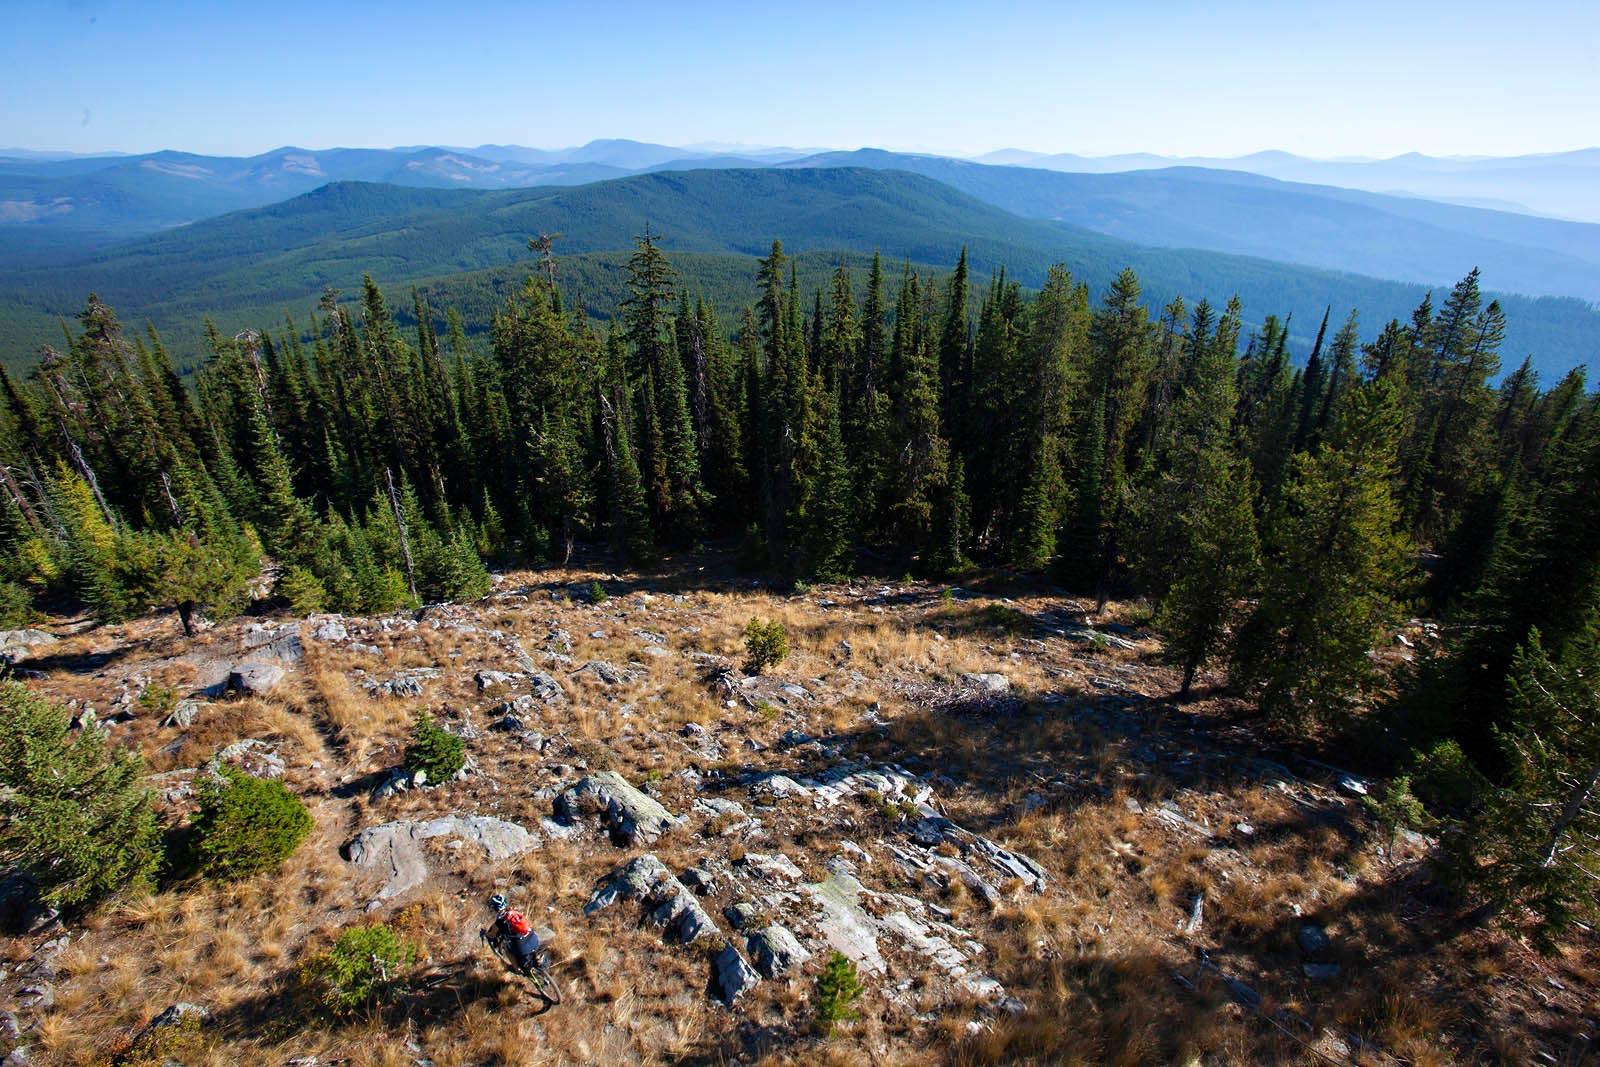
252	266
1279	517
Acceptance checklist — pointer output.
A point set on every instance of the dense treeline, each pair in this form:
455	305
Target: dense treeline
1280	517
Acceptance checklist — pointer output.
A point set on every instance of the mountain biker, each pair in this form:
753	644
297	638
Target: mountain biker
512	929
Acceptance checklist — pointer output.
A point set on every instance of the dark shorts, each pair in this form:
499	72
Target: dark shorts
524	948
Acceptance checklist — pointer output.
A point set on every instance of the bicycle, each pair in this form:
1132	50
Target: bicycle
536	969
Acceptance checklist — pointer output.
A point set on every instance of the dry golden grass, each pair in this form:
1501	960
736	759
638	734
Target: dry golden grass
1096	957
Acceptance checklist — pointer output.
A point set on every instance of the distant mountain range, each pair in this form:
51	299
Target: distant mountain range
56	210
251	267
1561	184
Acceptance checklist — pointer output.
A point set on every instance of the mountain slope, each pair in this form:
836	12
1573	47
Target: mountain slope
291	251
1565	184
1321	226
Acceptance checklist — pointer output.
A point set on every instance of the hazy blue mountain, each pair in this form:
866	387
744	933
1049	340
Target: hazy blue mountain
93	202
270	257
1230	211
1563	184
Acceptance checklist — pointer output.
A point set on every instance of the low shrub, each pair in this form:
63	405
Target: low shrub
245	825
365	966
766	644
158	699
434	750
838	988
75	817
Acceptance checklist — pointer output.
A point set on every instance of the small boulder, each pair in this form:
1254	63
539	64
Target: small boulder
733	975
988	682
631	816
183	714
774	950
494	679
255	679
331	629
1313	939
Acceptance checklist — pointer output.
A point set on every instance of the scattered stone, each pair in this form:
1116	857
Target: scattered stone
494	679
173	1014
330	629
631	816
1351	786
1320	972
774	950
21	642
772	866
655	651
602	670
742	915
254	756
276	642
989	683
404	685
22	907
634	880
934	830
546	688
395	848
843	924
255	679
733	974
1313	939
184	714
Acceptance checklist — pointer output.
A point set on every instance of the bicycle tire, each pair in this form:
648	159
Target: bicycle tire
544	984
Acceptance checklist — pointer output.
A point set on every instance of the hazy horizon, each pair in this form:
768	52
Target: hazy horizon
725	148
227	78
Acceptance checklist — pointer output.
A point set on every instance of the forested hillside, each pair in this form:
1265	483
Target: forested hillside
1230	211
253	267
1278	519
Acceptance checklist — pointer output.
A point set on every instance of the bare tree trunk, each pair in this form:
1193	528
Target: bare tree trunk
1581	791
405	542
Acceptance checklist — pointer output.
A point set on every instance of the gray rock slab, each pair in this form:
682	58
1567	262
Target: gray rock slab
630	815
394	849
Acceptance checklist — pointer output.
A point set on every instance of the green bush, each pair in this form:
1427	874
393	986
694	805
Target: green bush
158	699
434	750
183	1042
1445	778
246	825
766	644
838	988
1398	809
303	590
364	966
16	606
74	814
597	593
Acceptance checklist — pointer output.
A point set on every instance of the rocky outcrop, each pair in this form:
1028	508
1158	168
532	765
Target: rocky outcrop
843	924
773	950
18	645
255	679
671	905
631	816
732	976
395	849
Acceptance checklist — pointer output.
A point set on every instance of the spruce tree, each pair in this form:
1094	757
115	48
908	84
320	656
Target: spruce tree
1335	564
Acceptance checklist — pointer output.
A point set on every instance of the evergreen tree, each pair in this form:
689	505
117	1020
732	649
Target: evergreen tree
1334	568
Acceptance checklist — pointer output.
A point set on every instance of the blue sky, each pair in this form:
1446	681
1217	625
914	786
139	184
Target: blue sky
1359	77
